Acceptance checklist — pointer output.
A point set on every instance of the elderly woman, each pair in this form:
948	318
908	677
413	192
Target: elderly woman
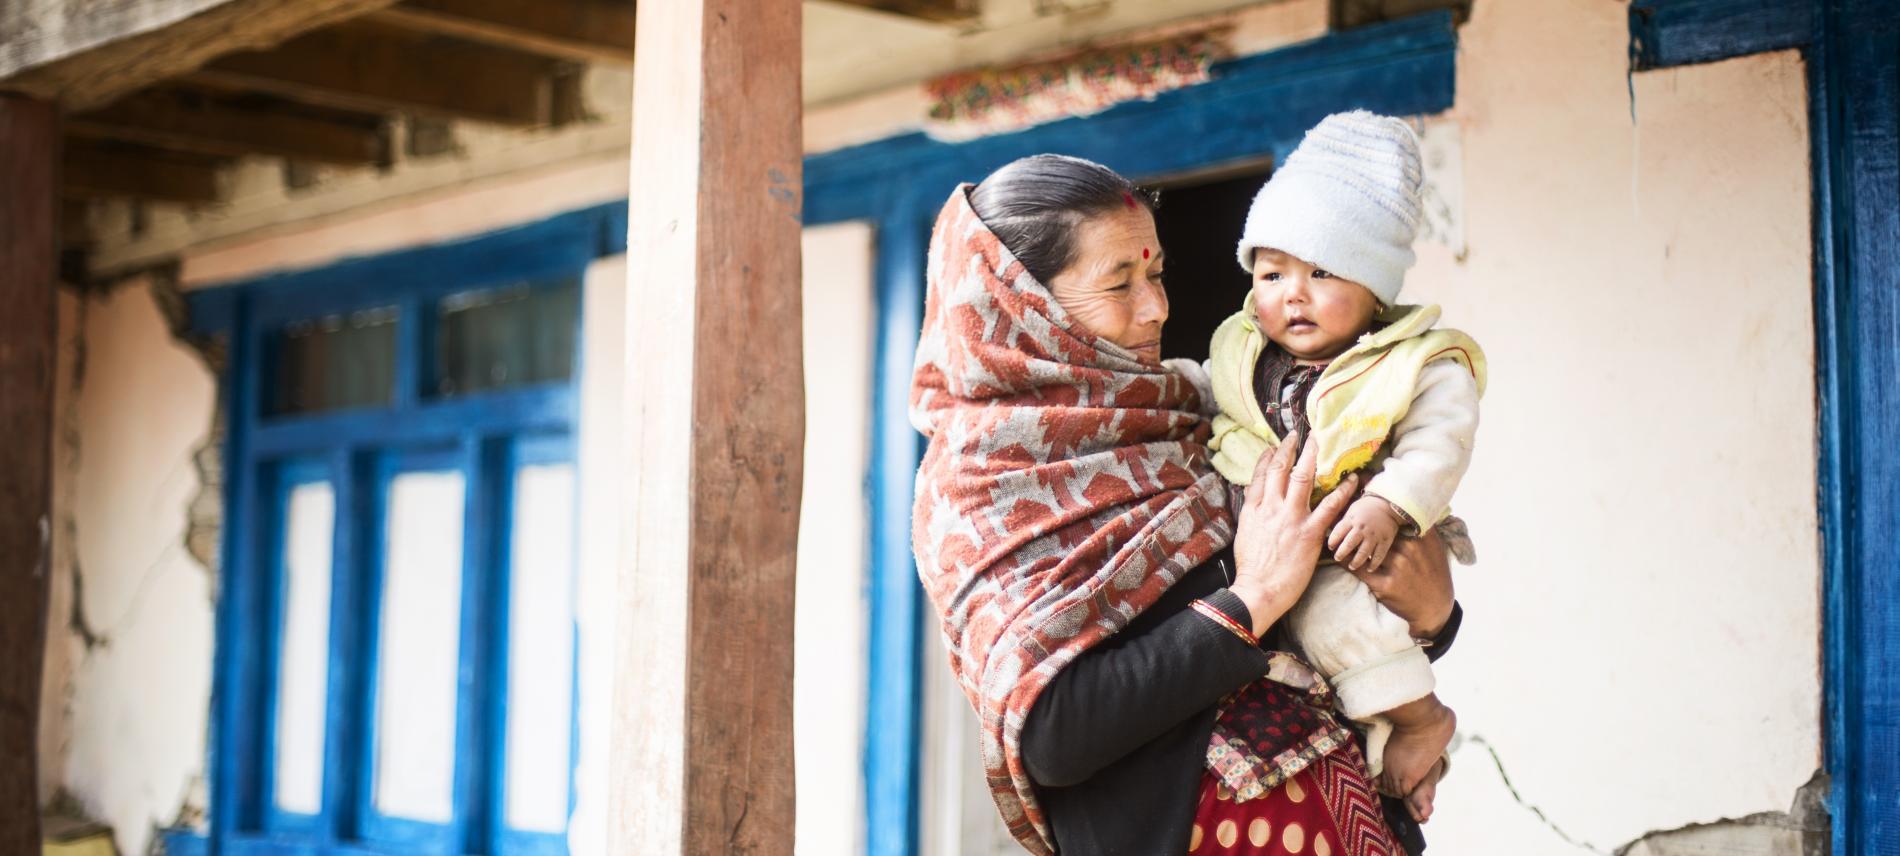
1110	617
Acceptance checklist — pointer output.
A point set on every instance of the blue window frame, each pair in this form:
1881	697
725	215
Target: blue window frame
431	387
1852	50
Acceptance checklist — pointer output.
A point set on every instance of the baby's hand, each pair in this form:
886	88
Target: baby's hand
1364	533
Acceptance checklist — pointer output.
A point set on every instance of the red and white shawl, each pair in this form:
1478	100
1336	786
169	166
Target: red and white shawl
1065	488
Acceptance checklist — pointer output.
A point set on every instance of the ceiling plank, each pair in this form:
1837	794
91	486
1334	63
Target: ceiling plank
92	173
364	66
116	49
181	122
940	11
579	30
137	173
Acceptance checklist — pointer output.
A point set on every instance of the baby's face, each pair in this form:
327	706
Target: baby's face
1313	314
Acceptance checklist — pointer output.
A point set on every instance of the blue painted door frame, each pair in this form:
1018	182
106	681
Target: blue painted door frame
1254	110
1852	49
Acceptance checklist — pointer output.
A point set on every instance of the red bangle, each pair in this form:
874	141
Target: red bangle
1220	618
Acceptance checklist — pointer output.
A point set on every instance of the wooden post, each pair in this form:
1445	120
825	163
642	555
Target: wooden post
702	742
29	165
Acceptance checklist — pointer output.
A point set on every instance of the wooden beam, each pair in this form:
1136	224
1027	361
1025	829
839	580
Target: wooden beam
941	11
364	66
702	755
580	30
140	173
86	59
75	222
181	122
29	247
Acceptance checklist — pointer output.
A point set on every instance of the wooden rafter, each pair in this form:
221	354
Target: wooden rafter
580	30
83	74
942	11
378	68
141	173
190	122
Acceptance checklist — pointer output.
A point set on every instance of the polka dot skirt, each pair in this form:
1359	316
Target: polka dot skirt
1326	809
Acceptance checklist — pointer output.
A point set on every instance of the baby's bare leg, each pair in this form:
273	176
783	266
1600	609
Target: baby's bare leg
1420	732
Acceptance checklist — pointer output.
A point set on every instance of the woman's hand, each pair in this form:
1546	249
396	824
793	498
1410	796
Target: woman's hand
1277	541
1414	582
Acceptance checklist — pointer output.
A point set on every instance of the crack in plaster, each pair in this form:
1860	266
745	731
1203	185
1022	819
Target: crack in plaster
76	618
69	439
204	520
1543	818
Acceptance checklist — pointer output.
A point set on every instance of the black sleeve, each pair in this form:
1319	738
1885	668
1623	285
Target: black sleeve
1135	686
1448	634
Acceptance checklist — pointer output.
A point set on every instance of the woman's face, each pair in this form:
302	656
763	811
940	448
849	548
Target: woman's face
1113	288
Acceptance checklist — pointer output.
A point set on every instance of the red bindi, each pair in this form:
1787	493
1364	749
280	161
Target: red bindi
1144	252
1128	199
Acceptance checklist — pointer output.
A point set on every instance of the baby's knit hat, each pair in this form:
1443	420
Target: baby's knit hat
1346	200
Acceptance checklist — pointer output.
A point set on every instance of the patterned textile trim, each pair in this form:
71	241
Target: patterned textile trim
1249	776
1356	810
971	104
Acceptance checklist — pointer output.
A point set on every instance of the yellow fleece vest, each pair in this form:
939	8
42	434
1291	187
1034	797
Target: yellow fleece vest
1353	405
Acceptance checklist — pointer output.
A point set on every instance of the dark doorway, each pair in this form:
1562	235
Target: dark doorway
1199	224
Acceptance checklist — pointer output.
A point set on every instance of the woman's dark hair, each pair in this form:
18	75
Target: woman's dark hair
1034	205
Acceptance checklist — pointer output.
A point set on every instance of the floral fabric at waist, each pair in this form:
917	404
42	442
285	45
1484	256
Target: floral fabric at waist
1270	730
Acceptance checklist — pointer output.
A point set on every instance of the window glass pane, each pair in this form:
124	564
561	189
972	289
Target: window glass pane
541	648
502	337
335	361
304	657
416	675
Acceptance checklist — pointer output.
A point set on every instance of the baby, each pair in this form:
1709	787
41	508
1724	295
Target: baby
1322	349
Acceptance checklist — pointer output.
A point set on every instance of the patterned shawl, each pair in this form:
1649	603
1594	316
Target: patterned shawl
1065	488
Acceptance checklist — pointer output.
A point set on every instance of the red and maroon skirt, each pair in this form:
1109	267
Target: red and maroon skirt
1326	809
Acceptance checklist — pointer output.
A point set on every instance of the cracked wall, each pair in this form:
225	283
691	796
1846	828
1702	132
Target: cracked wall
128	677
1641	653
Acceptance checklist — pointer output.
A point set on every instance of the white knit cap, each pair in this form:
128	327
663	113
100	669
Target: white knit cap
1346	200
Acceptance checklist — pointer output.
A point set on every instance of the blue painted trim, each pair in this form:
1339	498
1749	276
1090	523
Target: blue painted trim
180	842
893	736
1255	109
1666	33
357	449
1852	48
560	245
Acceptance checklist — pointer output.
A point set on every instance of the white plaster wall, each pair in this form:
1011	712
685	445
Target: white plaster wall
1641	649
828	632
135	703
602	444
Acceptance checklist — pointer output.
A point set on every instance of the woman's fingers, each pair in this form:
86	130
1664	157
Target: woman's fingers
1299	483
1270	472
1329	509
